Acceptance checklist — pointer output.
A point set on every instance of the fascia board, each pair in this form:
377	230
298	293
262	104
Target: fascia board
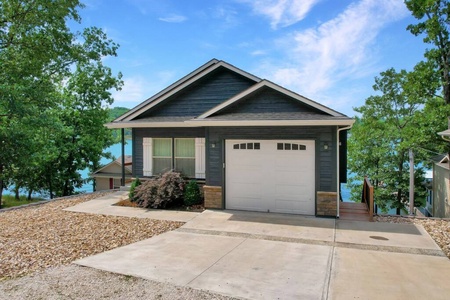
224	123
134	124
215	123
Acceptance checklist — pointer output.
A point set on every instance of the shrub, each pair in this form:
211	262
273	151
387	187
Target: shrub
192	194
161	192
134	184
145	194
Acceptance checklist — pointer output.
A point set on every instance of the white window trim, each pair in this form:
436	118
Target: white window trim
147	156
200	157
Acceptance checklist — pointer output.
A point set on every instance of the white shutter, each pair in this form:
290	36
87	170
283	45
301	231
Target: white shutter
147	156
200	158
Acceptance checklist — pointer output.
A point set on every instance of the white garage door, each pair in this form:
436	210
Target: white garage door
270	176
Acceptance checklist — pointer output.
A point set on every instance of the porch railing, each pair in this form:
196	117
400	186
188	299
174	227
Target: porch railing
367	196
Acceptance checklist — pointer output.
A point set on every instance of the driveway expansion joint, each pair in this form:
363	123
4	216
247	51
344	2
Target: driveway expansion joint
255	236
335	244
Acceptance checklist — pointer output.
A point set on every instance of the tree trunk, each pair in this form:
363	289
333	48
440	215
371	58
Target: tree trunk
30	191
1	192
50	185
16	193
399	201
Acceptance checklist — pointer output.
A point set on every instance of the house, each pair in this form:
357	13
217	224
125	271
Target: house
109	177
439	205
257	145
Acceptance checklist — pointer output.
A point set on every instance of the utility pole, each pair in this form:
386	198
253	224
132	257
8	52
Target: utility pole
411	182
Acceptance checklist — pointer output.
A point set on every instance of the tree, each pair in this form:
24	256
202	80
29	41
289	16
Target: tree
114	113
435	26
51	77
399	119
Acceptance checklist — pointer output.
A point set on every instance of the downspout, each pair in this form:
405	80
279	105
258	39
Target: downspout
338	185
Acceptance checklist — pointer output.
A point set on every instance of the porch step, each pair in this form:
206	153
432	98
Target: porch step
354	211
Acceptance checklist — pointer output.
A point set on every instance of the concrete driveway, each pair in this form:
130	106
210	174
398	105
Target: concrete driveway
277	256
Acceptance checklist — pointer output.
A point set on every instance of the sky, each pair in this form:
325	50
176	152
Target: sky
329	51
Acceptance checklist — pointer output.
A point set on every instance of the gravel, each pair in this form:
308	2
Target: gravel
39	237
76	282
38	243
438	229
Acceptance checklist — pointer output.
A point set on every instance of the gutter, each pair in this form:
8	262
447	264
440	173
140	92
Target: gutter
338	185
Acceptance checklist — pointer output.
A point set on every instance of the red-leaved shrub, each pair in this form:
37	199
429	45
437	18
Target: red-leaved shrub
161	192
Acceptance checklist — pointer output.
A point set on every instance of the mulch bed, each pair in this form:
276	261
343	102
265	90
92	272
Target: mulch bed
38	237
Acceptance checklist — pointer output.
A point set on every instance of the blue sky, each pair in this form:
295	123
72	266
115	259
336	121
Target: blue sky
326	50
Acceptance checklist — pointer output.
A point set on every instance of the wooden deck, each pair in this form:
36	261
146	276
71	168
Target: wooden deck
354	212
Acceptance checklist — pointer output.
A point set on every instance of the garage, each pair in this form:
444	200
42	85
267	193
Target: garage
270	176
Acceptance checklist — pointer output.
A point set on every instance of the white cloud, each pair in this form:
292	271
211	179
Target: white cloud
282	13
173	18
228	16
338	49
132	91
258	52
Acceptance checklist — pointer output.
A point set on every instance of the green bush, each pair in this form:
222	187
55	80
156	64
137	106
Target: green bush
161	192
192	194
134	184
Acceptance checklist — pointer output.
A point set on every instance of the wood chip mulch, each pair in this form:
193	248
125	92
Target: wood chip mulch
438	229
38	237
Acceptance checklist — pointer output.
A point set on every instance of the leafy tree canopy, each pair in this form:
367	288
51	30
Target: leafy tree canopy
398	119
54	92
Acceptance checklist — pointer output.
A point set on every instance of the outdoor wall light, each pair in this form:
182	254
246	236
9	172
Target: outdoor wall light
213	145
325	146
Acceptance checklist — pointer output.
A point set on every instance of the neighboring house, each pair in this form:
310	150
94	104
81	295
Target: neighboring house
440	204
257	145
109	177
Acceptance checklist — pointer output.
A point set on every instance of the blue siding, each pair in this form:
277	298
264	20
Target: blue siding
202	95
325	159
269	100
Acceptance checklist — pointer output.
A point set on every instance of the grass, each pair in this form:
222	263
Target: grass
10	201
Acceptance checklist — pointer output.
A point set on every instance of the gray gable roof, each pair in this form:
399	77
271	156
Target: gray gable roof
180	85
219	94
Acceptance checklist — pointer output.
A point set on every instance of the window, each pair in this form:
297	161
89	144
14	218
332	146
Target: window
185	156
162	155
289	146
247	146
174	154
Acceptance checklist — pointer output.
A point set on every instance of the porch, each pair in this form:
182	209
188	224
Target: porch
359	211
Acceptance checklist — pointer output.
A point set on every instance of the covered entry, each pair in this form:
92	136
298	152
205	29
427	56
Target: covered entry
270	176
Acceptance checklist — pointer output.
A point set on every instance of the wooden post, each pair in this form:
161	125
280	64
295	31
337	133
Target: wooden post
122	132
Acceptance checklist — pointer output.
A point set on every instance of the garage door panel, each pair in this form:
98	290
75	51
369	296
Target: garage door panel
251	176
296	191
269	179
247	203
292	178
246	190
297	207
